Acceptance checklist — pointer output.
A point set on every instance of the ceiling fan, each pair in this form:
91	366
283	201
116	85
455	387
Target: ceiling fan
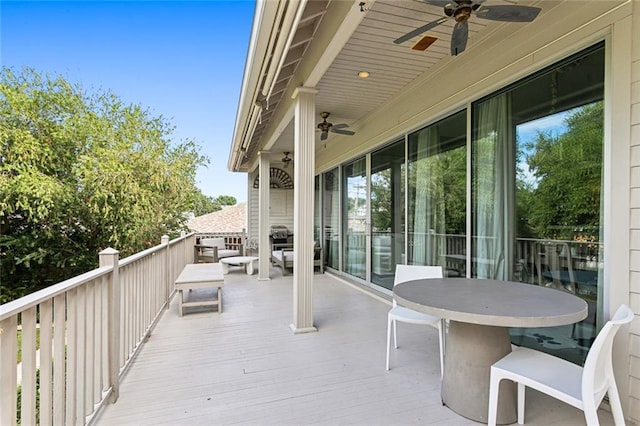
286	160
326	127
461	11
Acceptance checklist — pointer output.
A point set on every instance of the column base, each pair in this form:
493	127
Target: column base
302	330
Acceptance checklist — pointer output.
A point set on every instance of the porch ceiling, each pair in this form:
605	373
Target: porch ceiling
369	47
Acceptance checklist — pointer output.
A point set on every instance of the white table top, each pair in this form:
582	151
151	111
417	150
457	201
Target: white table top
491	302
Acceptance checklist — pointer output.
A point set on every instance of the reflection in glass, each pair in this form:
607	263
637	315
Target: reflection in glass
437	195
355	221
387	213
331	209
316	211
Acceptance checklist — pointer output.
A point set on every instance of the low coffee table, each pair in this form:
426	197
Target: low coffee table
246	261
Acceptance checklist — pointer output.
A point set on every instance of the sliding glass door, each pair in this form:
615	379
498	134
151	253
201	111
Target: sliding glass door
537	161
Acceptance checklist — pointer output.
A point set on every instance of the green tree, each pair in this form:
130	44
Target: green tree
203	204
80	172
568	171
381	203
226	200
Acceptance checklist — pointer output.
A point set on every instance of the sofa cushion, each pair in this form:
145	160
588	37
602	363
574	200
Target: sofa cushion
228	253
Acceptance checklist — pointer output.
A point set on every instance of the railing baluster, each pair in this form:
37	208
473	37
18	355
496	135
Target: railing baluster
90	360
46	361
81	353
59	363
28	397
102	344
72	355
8	373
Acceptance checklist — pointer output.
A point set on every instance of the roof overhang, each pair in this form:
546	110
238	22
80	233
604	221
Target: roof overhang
324	44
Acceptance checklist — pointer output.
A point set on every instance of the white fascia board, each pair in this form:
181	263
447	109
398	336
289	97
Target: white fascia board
339	24
264	24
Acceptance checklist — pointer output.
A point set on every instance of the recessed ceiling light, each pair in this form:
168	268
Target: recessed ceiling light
363	74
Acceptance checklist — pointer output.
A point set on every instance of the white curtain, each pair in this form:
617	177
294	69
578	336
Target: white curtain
494	177
429	242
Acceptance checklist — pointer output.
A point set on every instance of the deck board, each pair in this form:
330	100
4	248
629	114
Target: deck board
246	367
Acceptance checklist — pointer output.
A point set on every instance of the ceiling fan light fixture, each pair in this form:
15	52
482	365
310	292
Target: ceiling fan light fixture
286	160
363	74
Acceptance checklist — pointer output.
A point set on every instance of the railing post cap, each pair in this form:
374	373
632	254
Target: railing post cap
109	250
164	239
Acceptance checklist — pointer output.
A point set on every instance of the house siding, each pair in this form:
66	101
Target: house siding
634	273
281	208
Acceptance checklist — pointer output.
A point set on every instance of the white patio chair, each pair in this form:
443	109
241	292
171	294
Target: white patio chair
400	313
581	387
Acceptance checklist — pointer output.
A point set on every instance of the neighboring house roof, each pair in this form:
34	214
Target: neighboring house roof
229	219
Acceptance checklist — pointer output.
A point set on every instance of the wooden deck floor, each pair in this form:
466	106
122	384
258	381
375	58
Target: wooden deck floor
245	366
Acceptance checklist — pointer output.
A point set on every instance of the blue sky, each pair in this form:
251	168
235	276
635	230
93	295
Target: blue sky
554	125
183	60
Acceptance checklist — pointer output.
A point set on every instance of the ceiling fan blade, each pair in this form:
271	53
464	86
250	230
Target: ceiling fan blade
343	132
459	37
508	13
419	30
323	135
340	126
440	3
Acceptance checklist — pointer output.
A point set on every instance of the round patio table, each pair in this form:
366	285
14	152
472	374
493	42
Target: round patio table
480	313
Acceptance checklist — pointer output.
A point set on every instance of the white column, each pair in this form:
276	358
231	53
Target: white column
304	166
264	248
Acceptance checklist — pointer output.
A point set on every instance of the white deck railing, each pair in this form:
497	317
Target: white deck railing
78	337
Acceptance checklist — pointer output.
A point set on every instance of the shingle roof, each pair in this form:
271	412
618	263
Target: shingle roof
229	219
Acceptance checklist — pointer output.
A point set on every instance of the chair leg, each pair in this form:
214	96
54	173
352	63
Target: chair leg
616	407
494	386
521	389
395	335
389	321
591	416
441	338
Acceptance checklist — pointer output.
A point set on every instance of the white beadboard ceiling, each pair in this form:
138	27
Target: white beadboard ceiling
345	95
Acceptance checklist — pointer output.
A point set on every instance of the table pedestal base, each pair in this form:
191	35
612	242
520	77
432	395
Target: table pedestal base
470	351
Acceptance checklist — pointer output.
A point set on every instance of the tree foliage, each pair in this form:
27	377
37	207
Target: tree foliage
565	201
80	172
203	204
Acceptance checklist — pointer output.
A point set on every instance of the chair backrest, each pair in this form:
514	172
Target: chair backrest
598	367
406	273
211	242
553	256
